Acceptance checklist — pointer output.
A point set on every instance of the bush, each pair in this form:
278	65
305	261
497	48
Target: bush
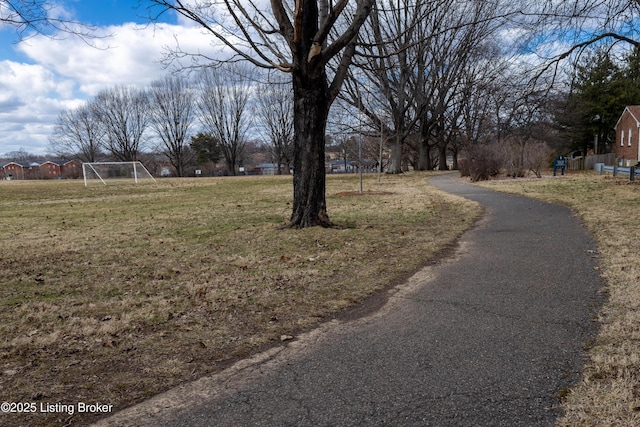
463	167
483	163
510	152
537	156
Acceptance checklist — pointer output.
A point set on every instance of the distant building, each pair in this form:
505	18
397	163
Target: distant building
339	166
11	170
270	169
21	170
628	136
72	169
49	169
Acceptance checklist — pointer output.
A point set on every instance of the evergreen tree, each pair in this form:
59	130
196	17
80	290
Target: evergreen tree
601	89
630	76
207	148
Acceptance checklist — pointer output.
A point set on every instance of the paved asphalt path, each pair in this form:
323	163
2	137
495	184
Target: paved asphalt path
490	337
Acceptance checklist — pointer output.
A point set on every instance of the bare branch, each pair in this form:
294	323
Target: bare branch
359	17
286	28
32	17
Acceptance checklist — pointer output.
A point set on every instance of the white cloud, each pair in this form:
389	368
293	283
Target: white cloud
66	71
31	97
128	54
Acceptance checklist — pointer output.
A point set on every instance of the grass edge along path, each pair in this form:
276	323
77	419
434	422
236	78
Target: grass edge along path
114	294
608	393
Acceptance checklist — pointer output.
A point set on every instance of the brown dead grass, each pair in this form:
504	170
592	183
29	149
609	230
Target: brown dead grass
114	294
609	392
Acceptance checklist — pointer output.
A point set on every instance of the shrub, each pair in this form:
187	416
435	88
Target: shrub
537	156
463	167
483	163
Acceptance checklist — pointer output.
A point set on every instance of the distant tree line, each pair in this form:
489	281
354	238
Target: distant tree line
442	79
433	80
203	119
436	81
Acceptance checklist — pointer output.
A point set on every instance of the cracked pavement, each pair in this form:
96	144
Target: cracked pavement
490	337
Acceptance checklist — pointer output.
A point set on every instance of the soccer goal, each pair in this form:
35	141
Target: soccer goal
115	173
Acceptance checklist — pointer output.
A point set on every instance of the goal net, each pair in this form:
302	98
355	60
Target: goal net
115	173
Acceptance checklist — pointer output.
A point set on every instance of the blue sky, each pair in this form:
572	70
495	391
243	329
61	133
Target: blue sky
94	12
44	76
105	12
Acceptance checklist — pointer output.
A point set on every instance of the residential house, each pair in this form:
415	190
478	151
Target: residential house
51	170
339	166
72	169
270	169
350	166
12	170
267	168
628	136
21	170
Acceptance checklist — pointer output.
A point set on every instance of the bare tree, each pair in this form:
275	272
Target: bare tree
275	115
537	157
419	59
124	113
559	32
78	133
30	17
454	64
20	155
386	63
299	37
223	105
481	90
173	111
526	120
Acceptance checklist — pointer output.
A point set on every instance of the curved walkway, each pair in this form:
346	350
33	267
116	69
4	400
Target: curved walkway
491	337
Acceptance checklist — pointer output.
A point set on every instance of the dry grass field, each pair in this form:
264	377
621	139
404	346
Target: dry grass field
113	294
609	392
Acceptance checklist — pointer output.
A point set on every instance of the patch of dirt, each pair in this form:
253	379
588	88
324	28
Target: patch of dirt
364	193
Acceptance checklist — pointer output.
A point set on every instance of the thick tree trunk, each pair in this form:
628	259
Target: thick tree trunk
311	110
395	157
424	157
231	167
442	157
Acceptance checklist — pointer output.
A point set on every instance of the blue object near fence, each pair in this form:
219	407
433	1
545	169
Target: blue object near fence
559	163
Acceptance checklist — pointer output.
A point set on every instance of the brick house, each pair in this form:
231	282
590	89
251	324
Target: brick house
628	136
21	170
72	169
51	170
12	170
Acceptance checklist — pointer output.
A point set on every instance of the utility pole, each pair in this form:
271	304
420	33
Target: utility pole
360	144
380	154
